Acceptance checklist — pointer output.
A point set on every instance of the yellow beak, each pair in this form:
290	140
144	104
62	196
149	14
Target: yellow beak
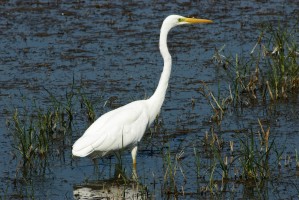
197	21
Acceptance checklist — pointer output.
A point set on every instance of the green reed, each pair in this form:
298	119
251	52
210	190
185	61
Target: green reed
34	135
173	168
297	160
282	53
37	129
88	105
41	130
25	139
269	71
252	164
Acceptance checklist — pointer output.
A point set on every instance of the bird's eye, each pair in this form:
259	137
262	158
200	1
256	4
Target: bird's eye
180	19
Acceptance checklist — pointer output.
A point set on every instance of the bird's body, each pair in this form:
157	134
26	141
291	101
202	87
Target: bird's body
105	135
124	127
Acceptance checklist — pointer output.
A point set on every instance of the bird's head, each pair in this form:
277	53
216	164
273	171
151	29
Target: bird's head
174	20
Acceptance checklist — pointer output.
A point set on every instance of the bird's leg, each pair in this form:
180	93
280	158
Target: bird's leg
134	154
134	174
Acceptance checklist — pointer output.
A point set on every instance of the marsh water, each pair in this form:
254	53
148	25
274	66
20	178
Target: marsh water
109	50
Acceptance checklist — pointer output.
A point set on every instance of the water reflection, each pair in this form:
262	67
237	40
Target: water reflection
118	187
110	189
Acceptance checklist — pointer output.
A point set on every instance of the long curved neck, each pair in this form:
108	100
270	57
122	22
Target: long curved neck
156	100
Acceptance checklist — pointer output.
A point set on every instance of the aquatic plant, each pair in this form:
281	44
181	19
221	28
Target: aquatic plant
34	135
219	105
252	164
172	166
63	110
269	71
297	160
25	139
36	130
282	53
197	161
89	107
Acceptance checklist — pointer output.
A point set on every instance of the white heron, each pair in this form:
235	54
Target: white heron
125	126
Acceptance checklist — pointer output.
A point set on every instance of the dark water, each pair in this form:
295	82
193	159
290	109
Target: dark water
112	49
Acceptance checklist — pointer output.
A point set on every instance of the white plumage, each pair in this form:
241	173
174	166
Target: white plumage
124	127
117	129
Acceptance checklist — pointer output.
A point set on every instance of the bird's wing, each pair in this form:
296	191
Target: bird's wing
114	130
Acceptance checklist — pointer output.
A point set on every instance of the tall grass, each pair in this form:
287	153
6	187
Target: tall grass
252	165
269	72
88	105
173	169
34	135
25	139
39	131
282	53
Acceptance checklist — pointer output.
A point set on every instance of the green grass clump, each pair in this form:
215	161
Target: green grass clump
282	54
173	169
269	71
25	139
37	130
42	131
89	107
284	74
35	134
252	164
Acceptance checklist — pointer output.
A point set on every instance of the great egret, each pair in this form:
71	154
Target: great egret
125	126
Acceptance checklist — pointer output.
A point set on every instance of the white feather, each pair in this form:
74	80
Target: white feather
119	128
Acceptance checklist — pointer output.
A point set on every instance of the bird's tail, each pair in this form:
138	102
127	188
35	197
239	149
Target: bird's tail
82	147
